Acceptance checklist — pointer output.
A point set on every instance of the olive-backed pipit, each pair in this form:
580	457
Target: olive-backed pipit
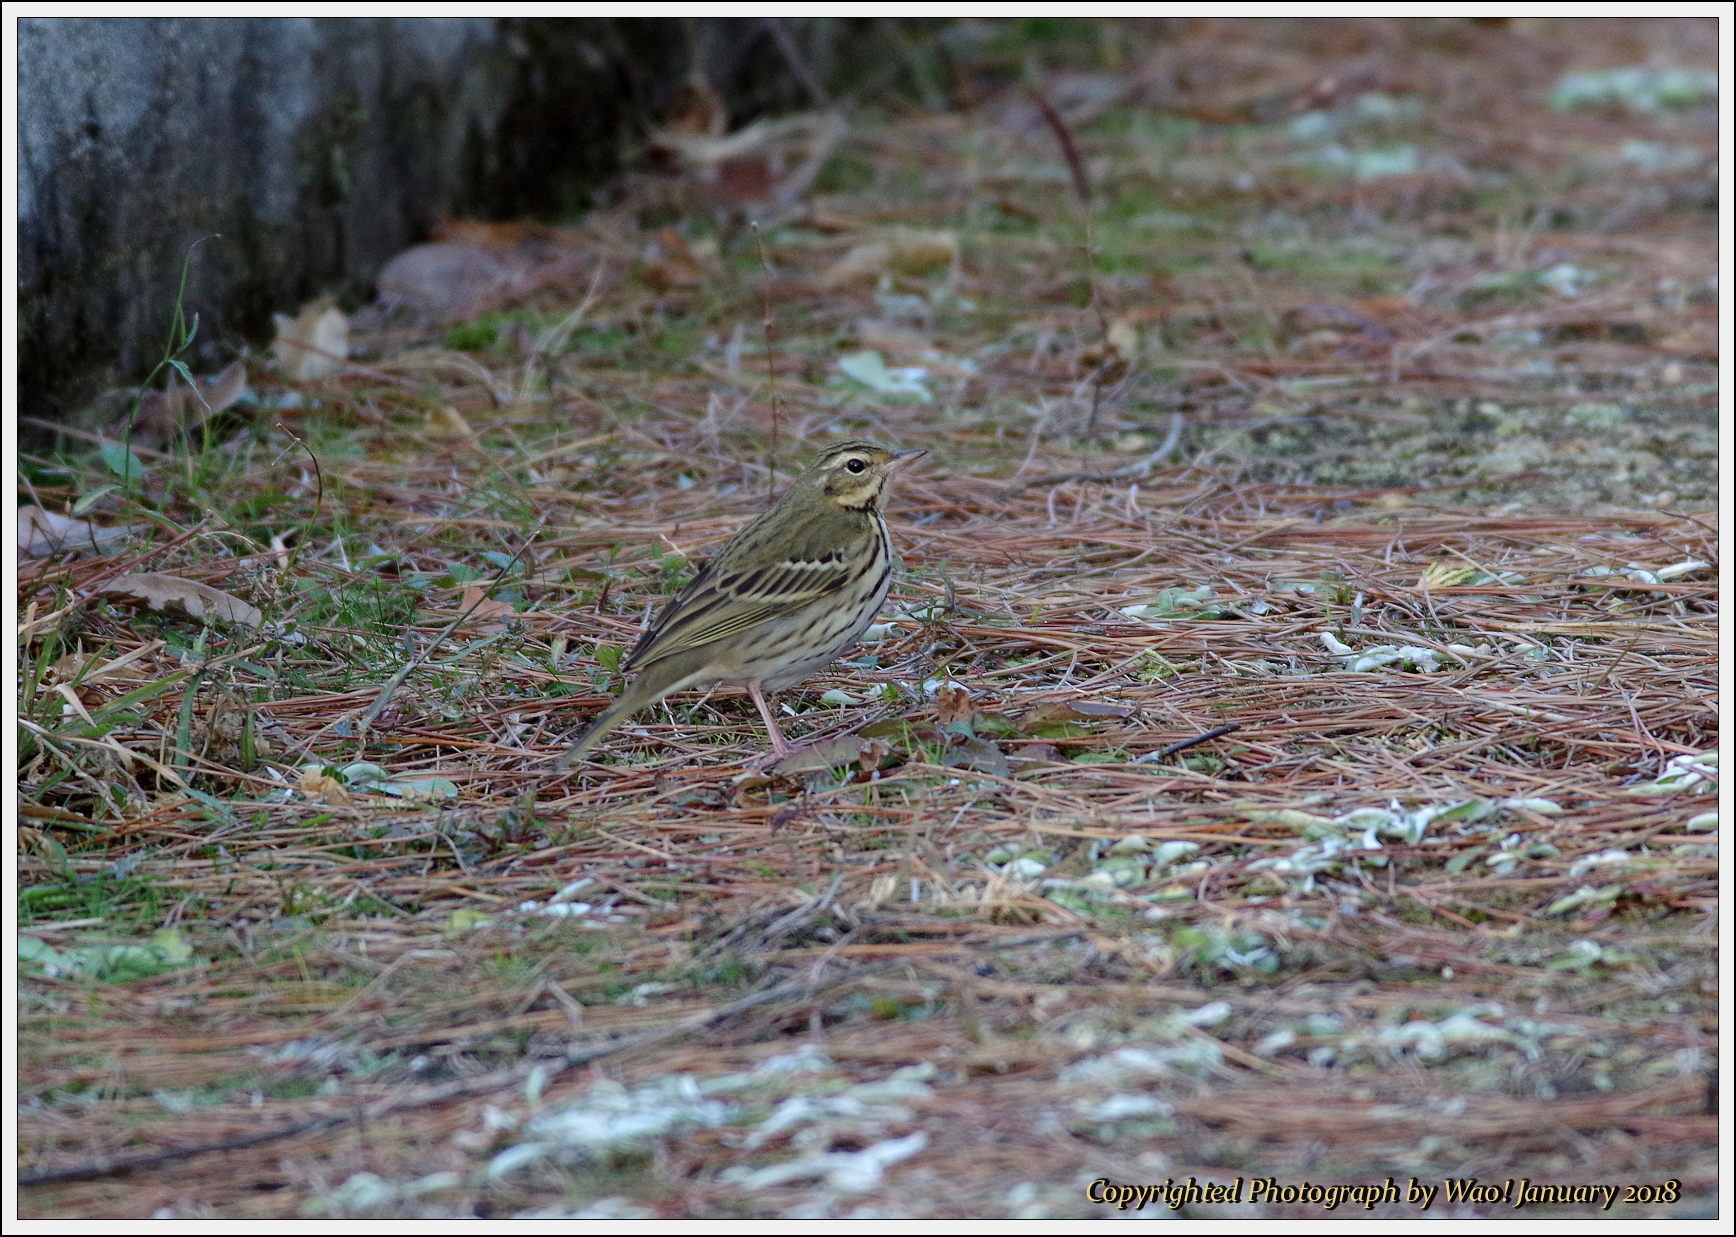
786	595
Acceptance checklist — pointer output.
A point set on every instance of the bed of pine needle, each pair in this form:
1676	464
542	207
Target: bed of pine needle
1283	757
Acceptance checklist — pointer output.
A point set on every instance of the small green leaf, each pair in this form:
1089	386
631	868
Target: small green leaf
87	501
361	773
865	367
421	789
121	461
173	945
869	369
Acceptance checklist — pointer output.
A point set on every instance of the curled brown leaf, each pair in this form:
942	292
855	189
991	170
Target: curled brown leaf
187	598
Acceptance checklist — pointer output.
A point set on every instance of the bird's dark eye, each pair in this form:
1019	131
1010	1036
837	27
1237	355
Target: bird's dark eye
856	465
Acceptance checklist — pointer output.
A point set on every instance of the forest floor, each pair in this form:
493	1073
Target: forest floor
1283	762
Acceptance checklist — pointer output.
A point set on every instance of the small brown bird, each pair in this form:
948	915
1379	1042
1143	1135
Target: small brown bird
786	595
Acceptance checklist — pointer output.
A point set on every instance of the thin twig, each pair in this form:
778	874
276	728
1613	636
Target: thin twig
771	368
797	61
1182	746
1136	471
1081	186
379	706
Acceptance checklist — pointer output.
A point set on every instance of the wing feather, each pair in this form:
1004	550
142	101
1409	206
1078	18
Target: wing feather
719	601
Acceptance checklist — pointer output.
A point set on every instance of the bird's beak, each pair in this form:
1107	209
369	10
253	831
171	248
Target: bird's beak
902	458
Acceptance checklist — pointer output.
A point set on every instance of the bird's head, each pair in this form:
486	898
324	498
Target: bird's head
854	475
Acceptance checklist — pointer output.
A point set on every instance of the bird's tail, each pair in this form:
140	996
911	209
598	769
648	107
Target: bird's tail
647	689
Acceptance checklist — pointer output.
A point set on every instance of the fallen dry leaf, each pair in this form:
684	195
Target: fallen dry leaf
894	339
1111	358
865	263
314	344
905	252
446	422
873	754
978	754
819	757
223	390
505	234
43	532
447	279
79	676
472	267
953	703
83	668
1051	712
321	787
189	598
163	414
485	615
671	264
1100	708
922	253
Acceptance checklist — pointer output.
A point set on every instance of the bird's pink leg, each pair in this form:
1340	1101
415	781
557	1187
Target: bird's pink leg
780	748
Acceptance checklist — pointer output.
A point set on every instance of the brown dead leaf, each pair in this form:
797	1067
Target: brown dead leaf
163	414
188	598
922	253
873	754
893	339
485	615
223	390
821	756
1100	708
828	220
671	264
472	267
504	234
906	346
88	682
313	345
1110	359
898	728
905	252
1052	712
84	669
978	754
447	423
44	532
1019	210
953	703
865	263
447	279
321	787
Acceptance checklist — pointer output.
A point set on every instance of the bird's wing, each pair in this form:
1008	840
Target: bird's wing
739	588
